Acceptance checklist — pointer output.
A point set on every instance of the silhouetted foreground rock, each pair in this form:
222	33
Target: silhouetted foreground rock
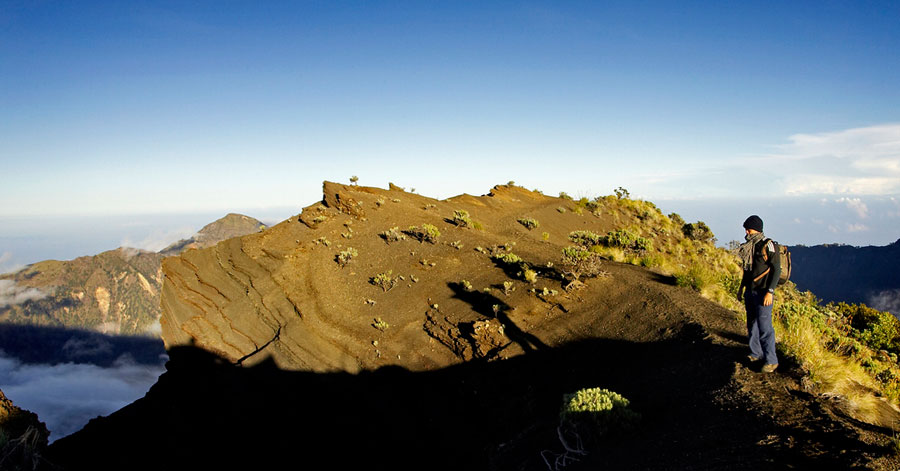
23	437
205	413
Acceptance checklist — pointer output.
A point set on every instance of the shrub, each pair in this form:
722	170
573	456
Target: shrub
545	236
528	275
876	329
621	193
392	235
427	233
585	238
565	196
344	256
508	258
625	239
579	261
385	281
461	218
529	223
697	277
380	324
676	219
602	409
698	231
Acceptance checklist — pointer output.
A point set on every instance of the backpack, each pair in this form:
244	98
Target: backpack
785	256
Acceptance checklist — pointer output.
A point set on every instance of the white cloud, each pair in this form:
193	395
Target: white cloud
159	240
806	184
11	294
67	395
856	205
860	161
857	228
888	300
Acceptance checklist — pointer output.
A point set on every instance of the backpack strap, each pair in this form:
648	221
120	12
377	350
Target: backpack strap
765	256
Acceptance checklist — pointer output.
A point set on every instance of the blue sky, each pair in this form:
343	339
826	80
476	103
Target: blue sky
122	109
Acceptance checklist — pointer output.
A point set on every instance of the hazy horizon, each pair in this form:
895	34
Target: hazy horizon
808	221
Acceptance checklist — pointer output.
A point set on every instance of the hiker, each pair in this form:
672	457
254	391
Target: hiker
762	268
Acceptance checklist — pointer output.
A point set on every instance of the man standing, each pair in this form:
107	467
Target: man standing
762	268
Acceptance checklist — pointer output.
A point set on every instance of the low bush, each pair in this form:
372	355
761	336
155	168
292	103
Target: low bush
393	234
345	256
529	223
601	409
426	233
585	238
580	262
698	231
385	281
627	240
461	218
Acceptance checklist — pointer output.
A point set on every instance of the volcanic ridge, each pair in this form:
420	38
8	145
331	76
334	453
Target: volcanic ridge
386	329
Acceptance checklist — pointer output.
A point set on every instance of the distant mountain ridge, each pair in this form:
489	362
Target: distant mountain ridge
851	274
114	292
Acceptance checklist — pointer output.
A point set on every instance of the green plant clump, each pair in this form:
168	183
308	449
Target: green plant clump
385	281
585	238
876	329
600	407
579	261
392	235
461	218
698	231
625	239
529	223
696	277
345	256
427	233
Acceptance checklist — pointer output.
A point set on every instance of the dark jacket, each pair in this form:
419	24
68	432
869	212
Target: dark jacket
766	268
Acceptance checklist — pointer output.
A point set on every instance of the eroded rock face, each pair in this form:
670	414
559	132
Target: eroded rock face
281	294
303	292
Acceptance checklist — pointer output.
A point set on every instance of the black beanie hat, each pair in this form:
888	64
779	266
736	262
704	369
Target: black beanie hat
754	222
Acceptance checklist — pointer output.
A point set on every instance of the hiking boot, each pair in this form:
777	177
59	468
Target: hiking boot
753	359
769	367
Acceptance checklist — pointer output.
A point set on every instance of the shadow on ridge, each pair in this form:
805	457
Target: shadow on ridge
207	413
491	306
52	345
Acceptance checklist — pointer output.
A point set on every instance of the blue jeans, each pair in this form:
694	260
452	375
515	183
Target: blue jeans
759	327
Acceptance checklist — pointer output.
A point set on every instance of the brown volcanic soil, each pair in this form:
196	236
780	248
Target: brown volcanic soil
443	388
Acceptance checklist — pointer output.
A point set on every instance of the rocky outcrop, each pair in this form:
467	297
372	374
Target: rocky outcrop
303	292
22	437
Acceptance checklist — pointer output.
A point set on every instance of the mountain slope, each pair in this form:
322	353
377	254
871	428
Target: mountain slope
440	372
115	292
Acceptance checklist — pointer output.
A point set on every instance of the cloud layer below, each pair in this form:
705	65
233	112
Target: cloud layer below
66	396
